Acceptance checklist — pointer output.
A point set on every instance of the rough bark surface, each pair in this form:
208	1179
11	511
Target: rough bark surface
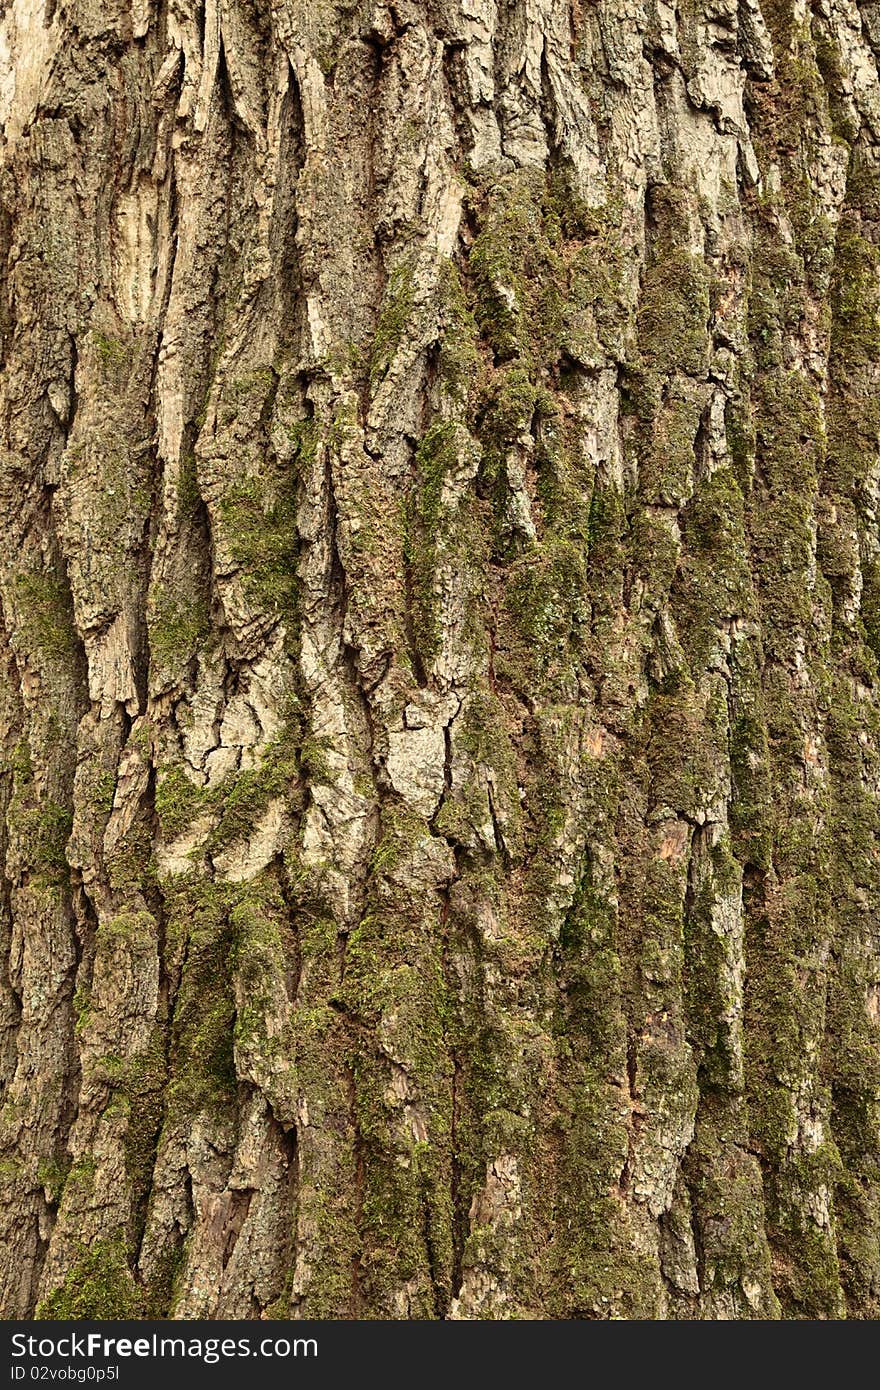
440	620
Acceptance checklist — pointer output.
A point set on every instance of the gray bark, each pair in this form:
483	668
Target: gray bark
439	581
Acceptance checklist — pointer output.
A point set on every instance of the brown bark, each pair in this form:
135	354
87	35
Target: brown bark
439	580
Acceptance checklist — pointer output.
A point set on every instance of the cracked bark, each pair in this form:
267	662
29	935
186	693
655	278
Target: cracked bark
440	584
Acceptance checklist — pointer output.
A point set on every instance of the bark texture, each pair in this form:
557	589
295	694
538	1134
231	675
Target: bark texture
440	621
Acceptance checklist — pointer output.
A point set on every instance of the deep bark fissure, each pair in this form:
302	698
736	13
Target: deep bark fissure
441	580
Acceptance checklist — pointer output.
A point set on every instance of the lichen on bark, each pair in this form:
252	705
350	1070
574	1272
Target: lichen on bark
439	626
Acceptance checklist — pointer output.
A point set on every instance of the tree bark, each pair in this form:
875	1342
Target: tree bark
440	622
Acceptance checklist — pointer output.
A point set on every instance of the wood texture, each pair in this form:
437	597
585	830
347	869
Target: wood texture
440	581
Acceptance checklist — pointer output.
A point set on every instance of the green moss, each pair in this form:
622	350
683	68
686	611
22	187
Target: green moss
776	301
41	826
159	1295
130	866
784	1005
178	801
711	987
246	401
858	1239
728	1204
751	801
260	961
674	313
458	352
713	580
52	1174
807	1274
394	985
314	760
397	308
82	1007
482	733
790	433
201	1059
853	410
234	805
594	1267
203	928
687	736
262	443
177	626
10	1171
243	798
305	438
44	831
498	308
564	478
99	1284
46	617
144	1085
132	930
262	537
82	1173
590	960
101	790
596	309
666	448
740	432
655	949
113	355
507	410
436	457
790	448
851	1068
607	530
546	617
429	526
516	271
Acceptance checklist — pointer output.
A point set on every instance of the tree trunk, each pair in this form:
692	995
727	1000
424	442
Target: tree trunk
440	621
